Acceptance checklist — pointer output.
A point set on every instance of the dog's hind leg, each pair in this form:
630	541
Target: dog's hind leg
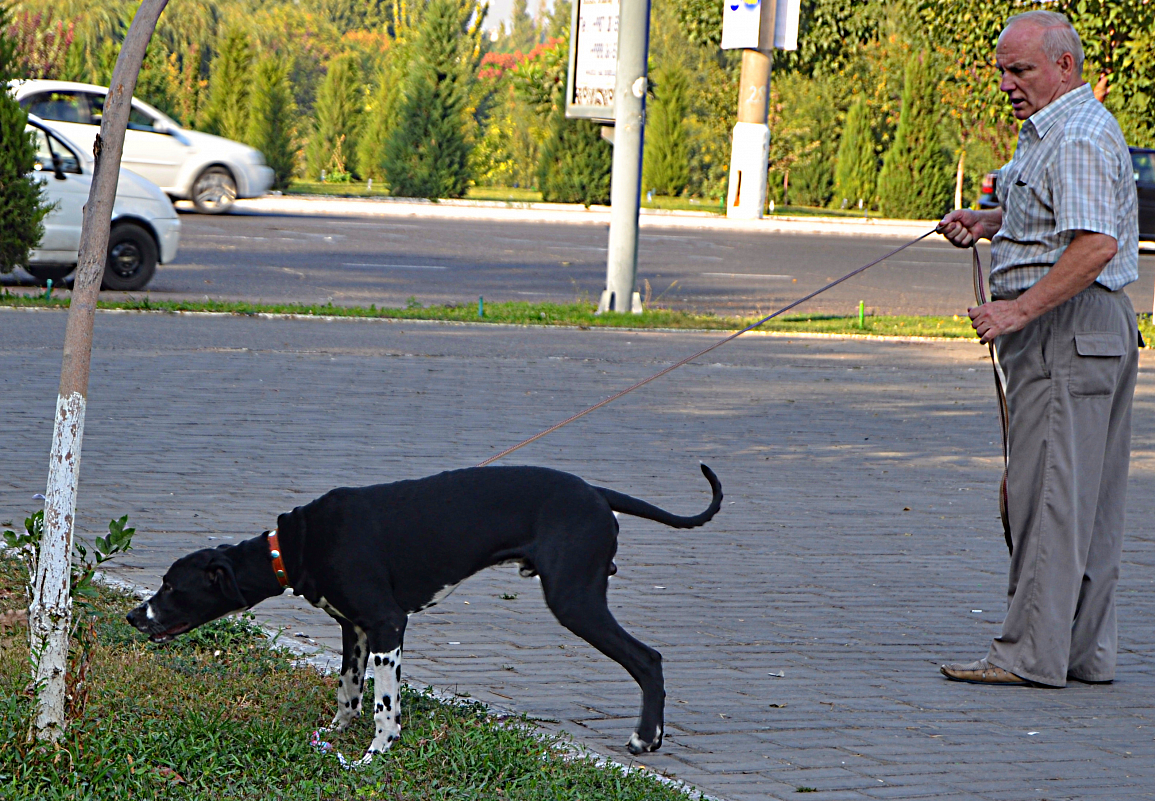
385	641
582	609
350	687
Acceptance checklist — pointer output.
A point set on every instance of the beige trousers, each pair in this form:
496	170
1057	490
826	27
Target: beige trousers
1070	378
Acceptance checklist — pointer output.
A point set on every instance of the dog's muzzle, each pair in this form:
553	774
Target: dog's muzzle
156	630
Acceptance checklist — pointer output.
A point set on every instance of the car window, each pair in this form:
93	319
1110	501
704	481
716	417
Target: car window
1144	164
59	106
47	146
96	107
139	120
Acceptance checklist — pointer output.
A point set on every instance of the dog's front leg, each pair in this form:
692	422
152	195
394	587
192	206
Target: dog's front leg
351	685
386	702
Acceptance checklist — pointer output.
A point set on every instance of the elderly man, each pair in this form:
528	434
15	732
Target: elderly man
1063	246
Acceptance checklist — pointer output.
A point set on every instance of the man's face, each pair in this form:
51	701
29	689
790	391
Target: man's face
1030	79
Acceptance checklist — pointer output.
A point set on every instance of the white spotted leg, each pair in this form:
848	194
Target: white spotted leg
351	685
386	702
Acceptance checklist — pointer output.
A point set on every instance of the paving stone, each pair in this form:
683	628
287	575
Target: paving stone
202	428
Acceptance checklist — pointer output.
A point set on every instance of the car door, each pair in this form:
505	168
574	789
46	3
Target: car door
1144	163
69	112
148	150
67	194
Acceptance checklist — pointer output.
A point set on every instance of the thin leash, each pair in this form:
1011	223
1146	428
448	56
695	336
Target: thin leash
701	353
1001	393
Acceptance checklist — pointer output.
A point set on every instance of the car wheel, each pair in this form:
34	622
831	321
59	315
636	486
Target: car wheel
131	259
50	272
214	191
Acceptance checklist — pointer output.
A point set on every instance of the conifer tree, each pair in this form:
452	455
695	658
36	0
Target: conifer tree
337	119
857	166
382	112
22	206
915	182
272	118
666	166
576	163
230	80
428	149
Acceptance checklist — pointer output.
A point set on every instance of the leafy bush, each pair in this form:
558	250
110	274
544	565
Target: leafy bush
22	203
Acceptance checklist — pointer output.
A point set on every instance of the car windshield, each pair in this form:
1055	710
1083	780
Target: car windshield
48	146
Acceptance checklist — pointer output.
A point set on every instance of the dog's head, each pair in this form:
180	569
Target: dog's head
198	588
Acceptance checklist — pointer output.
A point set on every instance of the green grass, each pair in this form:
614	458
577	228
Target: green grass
581	315
522	313
221	714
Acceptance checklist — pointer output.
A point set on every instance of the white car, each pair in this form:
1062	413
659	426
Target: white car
145	227
209	170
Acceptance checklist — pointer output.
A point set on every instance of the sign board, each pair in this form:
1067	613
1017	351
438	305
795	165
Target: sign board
593	60
760	24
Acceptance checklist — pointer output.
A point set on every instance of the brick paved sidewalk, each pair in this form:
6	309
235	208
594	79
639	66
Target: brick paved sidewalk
858	546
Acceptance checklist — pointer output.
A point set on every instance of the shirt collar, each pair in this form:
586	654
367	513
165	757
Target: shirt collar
1045	118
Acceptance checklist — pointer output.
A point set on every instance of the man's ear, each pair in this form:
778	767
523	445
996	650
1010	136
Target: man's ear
220	571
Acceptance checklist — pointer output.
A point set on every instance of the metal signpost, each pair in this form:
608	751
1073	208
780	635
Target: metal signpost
609	43
756	27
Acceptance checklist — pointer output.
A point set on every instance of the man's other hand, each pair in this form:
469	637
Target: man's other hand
996	318
963	227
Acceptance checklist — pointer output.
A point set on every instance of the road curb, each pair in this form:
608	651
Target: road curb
483	211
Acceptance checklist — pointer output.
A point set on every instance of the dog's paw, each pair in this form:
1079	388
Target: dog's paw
367	759
338	725
637	745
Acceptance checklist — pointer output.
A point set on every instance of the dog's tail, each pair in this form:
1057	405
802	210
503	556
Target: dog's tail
626	504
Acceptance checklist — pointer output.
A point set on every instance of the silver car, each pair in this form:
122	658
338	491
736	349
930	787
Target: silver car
145	228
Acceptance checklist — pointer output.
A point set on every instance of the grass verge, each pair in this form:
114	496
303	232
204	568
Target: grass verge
224	714
520	313
572	314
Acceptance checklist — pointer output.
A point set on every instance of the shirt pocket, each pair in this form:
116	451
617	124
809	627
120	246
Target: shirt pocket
1025	198
1096	363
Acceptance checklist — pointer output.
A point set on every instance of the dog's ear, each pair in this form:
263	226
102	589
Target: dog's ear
220	571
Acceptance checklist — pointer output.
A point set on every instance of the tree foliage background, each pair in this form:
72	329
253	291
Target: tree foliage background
203	62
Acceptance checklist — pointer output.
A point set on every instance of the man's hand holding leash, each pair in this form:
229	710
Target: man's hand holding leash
1076	269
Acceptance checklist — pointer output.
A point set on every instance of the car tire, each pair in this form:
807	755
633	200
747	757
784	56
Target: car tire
131	259
50	272
214	191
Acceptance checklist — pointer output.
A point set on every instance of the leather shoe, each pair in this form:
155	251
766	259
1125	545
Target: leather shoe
982	672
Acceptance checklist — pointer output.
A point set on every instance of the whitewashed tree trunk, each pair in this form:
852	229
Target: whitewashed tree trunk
50	612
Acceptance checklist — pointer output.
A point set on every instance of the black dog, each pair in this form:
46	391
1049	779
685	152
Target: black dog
372	556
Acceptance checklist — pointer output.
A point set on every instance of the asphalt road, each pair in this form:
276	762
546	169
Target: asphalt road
360	261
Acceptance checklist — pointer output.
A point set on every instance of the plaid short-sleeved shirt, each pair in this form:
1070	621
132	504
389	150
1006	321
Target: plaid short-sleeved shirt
1071	172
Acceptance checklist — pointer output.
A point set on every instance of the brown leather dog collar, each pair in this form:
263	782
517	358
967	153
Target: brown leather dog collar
278	562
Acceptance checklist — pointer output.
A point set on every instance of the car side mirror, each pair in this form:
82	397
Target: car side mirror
58	167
